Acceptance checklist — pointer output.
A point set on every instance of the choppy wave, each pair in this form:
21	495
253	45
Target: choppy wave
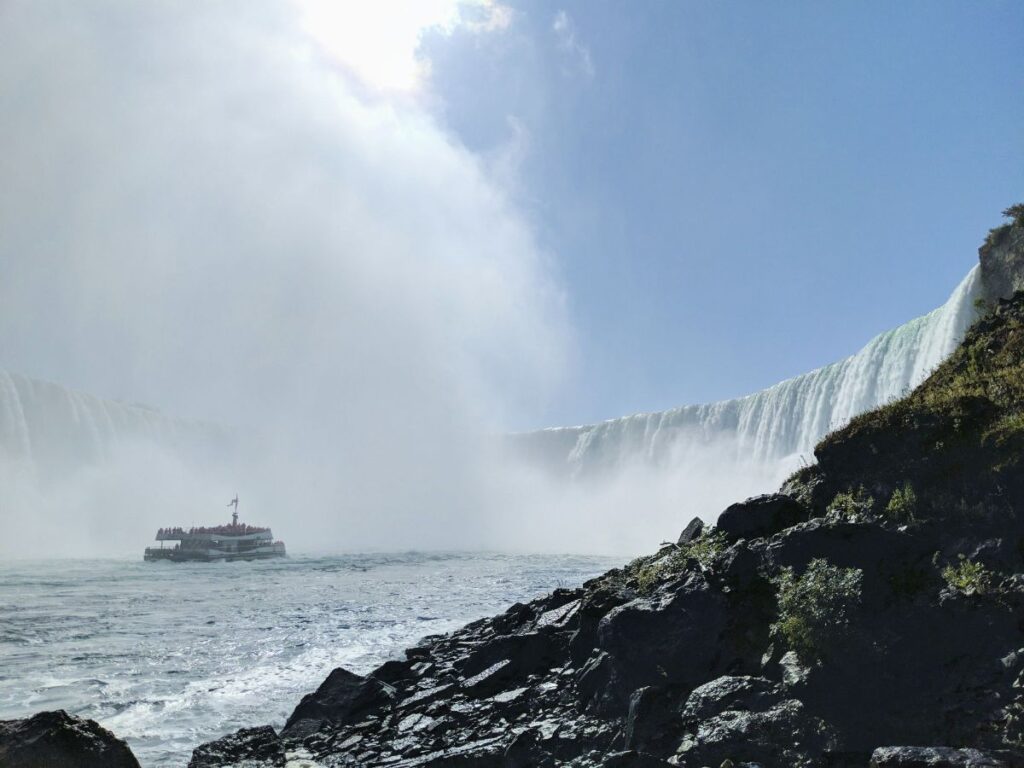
168	656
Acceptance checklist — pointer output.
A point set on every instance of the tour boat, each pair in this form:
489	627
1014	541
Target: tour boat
234	541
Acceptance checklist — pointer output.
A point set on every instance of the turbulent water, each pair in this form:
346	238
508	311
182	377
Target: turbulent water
168	656
781	421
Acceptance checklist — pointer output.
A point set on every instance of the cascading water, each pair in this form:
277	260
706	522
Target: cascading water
75	468
777	423
47	430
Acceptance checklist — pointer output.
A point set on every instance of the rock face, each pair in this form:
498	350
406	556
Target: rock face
939	757
1002	262
760	516
56	739
877	601
247	747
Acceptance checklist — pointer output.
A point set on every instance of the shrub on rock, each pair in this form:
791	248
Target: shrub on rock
816	607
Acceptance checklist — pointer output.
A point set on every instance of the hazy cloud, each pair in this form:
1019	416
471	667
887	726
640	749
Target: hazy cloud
379	42
198	213
577	54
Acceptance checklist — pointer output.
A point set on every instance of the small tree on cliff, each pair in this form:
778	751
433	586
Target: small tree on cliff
1016	212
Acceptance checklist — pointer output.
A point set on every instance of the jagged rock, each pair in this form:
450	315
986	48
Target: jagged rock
760	516
597	684
782	735
736	693
878	552
632	759
794	672
520	655
249	746
942	757
394	671
57	739
691	532
341	696
652	721
600	596
524	751
672	638
740	565
1002	263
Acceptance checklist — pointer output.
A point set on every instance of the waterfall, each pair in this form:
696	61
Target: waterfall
777	423
47	430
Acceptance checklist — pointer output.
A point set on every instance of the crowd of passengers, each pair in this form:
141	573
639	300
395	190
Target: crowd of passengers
232	528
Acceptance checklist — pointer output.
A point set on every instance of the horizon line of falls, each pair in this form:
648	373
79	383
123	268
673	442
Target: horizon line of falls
48	431
81	476
775	428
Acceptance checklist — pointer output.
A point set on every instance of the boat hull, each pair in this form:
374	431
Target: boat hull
158	554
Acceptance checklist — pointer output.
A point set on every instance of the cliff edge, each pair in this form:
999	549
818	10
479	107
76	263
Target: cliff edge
1002	258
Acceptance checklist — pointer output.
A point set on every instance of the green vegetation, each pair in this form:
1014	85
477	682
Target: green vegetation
708	546
971	406
649	572
852	506
1015	212
969	577
648	576
902	505
816	608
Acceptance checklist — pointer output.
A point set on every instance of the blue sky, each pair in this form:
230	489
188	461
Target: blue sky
737	192
527	213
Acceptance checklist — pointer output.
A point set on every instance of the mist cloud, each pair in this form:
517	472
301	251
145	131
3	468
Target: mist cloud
199	213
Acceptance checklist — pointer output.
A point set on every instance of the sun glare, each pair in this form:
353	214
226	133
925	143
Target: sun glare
378	41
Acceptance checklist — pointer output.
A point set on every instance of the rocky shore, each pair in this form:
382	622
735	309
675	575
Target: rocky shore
871	613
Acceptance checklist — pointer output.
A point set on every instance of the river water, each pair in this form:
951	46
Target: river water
170	655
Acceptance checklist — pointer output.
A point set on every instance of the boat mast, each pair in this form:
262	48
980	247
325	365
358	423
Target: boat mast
234	515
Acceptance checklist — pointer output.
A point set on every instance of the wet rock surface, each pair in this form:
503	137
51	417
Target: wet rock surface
52	739
941	757
249	746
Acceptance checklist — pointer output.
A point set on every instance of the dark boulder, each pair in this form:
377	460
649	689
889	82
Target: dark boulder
600	597
730	693
691	532
394	671
879	552
740	565
248	746
652	721
760	516
524	653
341	696
598	685
785	734
673	638
52	739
